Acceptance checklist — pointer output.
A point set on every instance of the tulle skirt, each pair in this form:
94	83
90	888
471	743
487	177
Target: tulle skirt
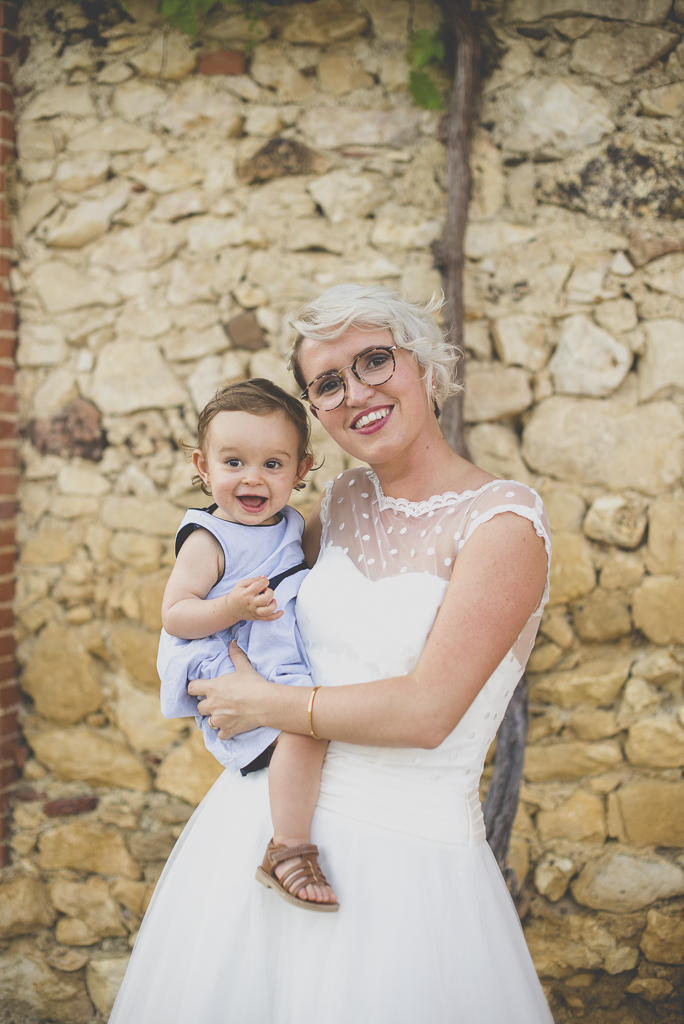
426	932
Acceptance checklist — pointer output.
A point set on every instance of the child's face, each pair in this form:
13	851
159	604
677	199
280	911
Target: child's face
251	463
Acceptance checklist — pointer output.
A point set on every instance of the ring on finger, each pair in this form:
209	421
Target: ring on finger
211	724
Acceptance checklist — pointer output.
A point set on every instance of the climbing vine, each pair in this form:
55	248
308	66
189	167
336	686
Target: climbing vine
183	14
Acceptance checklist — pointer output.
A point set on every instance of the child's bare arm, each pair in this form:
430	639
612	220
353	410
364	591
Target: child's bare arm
199	565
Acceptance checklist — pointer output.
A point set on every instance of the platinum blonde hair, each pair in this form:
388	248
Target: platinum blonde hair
373	308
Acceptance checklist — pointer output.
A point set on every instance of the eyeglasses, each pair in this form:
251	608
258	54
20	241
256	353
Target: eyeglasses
373	367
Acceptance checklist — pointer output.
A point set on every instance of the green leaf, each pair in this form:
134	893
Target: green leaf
180	14
424	91
425	48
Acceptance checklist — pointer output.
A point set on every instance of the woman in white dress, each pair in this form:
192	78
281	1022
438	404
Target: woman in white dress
419	615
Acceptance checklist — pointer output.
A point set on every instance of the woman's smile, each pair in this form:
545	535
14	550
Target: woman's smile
372	420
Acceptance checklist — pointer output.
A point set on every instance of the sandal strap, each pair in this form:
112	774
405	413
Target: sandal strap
276	854
306	872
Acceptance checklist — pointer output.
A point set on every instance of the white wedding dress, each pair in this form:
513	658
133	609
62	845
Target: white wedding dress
426	932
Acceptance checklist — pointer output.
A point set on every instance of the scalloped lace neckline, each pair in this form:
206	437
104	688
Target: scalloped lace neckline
420	508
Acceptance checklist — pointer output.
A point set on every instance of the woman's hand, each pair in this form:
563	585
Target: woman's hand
231	700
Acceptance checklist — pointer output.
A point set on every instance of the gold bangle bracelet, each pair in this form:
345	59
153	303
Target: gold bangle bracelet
311	702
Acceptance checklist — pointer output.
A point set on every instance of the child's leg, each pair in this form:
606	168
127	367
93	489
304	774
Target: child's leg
294	778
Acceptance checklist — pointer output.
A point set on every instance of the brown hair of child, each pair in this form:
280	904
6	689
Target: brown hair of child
260	397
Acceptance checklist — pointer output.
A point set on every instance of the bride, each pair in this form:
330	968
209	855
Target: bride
419	615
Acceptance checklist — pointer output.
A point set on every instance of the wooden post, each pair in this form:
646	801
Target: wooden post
10	748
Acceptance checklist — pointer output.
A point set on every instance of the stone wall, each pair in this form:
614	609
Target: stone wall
175	200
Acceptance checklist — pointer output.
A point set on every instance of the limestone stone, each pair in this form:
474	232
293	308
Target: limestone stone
330	128
616	519
91	902
40	200
138	248
62	677
619	56
82	479
40	345
649	813
621	267
322	23
86	846
197	105
137	651
665	101
47	547
520	340
495	392
644	12
658	609
404	227
617	315
79	175
176	205
157	517
572	568
560	946
390	19
83	755
343	195
621	571
67	960
596	682
169	58
594	725
605	443
420	281
138	716
130	894
663	940
656	743
209	234
496	449
103	980
72	931
661	368
213	371
72	100
37	143
341	73
151	846
567	761
484	239
263	121
169	176
30	988
621	884
588	360
658	667
552	876
564	507
579	819
62	287
651	989
57	390
136	549
477	340
194	344
112	136
132	375
24	906
189	770
557	115
87	221
136	99
601	616
517	61
665	551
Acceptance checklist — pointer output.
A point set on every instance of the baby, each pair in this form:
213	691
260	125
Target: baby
236	561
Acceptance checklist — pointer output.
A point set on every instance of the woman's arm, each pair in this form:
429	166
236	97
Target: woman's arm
497	582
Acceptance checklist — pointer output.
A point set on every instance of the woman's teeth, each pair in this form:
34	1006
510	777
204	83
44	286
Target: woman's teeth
371	417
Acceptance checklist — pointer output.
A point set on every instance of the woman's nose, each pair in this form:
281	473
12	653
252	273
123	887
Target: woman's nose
357	391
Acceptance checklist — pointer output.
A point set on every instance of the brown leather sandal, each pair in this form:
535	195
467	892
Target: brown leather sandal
306	872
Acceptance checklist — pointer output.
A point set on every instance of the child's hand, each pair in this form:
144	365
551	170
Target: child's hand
253	600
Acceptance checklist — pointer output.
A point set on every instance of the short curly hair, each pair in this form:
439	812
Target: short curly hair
371	308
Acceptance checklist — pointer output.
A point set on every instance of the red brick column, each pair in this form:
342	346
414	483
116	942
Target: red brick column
10	749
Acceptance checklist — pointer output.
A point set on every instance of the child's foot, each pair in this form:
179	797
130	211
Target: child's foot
295	874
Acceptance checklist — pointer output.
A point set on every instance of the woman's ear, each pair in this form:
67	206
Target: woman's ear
200	464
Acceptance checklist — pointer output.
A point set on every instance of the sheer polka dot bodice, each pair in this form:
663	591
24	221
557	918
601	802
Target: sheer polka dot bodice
385	537
365	612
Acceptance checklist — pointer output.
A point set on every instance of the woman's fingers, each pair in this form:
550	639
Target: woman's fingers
238	656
